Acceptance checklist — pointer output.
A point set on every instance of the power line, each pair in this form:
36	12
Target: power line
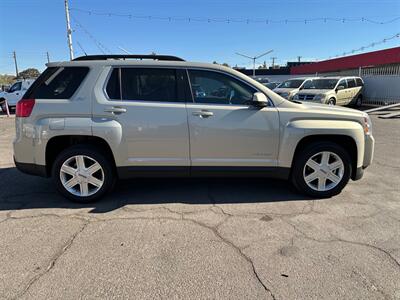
370	45
228	20
99	45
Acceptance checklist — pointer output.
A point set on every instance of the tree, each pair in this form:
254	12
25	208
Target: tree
225	65
6	79
29	73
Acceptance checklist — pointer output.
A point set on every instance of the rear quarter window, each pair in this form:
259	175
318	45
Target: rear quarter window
359	82
57	83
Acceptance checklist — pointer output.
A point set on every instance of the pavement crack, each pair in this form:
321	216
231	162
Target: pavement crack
53	261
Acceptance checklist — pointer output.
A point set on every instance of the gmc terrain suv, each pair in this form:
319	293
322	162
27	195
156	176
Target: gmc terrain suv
93	120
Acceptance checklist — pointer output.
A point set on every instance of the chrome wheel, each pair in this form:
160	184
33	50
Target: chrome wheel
323	171
82	175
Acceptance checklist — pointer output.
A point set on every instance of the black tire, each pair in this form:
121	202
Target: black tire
3	106
89	151
331	101
309	151
358	102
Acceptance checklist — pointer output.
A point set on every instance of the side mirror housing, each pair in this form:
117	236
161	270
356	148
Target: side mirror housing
339	88
259	100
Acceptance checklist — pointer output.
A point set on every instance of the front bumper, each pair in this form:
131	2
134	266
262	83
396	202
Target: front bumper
369	147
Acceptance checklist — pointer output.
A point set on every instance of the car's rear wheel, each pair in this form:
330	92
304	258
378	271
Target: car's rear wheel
358	102
82	174
321	169
331	101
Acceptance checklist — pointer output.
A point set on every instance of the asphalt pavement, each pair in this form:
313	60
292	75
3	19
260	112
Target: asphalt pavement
236	238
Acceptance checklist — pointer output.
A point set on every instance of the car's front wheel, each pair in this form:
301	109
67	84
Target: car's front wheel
82	174
331	101
321	169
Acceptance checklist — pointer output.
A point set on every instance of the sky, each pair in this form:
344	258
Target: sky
33	27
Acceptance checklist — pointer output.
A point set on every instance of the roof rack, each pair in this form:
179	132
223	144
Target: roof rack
129	56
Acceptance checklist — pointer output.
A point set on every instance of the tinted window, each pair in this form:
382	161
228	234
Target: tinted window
149	85
292	83
359	82
15	87
57	83
217	88
351	83
343	83
113	87
320	84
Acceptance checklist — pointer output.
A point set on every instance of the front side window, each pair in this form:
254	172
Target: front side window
343	83
217	88
15	87
150	84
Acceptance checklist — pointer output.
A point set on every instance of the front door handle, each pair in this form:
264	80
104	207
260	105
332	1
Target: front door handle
203	113
115	110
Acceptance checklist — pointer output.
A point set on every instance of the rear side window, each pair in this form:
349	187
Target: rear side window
150	84
113	87
351	83
57	83
359	82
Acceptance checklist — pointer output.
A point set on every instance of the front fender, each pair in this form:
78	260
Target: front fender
296	130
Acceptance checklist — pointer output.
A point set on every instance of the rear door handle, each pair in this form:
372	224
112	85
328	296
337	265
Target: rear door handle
115	110
203	113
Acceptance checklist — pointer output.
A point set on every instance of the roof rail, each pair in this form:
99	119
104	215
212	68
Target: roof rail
129	56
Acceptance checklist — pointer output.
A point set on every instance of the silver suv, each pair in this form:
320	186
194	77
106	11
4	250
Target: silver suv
93	120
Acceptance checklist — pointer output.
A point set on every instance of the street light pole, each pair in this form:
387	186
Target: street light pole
254	58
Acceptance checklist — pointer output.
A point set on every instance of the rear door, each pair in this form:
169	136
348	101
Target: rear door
142	111
224	130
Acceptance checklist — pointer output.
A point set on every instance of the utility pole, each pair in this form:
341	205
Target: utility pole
273	61
48	56
69	31
15	62
298	58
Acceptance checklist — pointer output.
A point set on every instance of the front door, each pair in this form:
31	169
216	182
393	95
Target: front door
143	111
342	94
14	94
224	130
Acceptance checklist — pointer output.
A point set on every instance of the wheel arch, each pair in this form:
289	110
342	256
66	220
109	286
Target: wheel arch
57	144
346	142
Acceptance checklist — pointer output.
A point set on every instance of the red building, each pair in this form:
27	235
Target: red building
376	58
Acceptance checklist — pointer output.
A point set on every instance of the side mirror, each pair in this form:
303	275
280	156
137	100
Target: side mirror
259	100
339	88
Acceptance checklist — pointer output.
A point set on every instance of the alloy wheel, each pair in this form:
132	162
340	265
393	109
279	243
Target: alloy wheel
323	171
82	175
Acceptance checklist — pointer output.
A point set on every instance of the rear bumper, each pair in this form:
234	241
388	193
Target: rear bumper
31	169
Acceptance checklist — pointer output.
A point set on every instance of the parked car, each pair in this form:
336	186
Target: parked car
262	80
93	120
14	94
290	87
272	85
333	91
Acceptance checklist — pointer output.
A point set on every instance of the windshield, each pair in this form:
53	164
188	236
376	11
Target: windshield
320	84
291	84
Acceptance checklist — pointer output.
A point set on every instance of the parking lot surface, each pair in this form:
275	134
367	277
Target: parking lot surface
239	238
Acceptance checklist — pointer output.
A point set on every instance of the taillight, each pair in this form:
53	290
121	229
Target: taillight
24	107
